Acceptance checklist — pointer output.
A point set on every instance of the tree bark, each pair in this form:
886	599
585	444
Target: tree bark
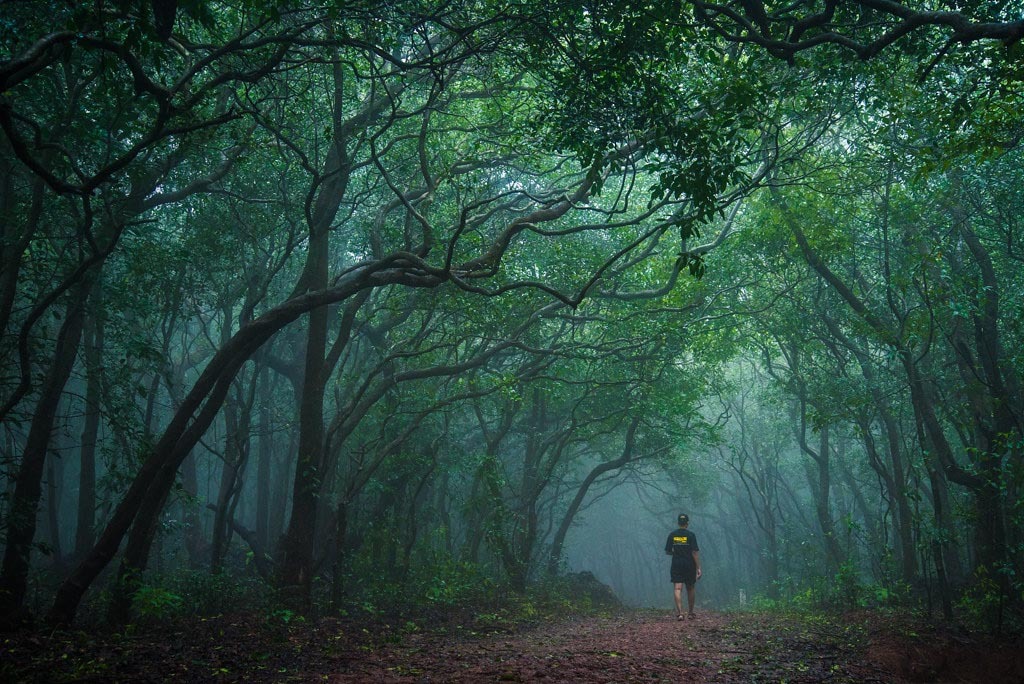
822	497
238	422
932	434
85	531
264	456
54	477
191	420
895	476
297	547
195	544
21	522
558	542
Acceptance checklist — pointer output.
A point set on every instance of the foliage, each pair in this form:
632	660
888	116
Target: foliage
837	594
344	273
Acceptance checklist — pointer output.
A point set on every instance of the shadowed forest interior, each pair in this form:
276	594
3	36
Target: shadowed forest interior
381	308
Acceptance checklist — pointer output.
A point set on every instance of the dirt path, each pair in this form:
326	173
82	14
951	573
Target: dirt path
643	647
868	646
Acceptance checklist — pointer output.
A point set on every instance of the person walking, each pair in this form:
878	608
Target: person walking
682	546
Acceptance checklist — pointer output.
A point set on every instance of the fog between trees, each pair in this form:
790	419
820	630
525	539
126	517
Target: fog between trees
427	303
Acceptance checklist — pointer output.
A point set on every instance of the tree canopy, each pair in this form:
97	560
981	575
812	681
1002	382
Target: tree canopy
311	290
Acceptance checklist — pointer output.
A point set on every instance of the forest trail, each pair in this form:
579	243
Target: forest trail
715	647
644	646
641	647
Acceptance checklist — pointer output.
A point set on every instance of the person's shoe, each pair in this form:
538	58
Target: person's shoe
679	617
691	616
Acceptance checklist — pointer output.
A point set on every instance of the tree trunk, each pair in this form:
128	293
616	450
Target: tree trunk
12	243
933	437
822	500
276	519
264	456
897	493
195	545
54	477
133	563
296	572
221	515
1001	425
21	521
525	531
819	478
558	543
939	553
142	502
338	567
193	417
238	421
895	476
297	547
85	532
414	517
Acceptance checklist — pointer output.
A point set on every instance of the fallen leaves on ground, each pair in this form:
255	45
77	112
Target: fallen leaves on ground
626	647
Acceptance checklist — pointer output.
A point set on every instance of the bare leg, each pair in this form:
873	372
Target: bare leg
690	595
679	598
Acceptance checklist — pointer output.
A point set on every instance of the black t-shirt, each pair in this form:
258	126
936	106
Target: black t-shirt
681	544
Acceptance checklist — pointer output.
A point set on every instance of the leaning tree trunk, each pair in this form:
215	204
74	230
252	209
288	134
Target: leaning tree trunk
189	423
13	244
932	436
22	514
238	422
895	475
558	543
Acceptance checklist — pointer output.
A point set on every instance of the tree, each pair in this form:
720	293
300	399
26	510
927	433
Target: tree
864	27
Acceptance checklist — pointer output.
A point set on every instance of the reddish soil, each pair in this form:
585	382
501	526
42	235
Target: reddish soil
630	647
928	653
640	648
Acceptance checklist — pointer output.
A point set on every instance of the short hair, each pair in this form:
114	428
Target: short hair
683	519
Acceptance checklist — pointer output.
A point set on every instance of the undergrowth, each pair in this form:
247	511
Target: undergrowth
979	605
443	595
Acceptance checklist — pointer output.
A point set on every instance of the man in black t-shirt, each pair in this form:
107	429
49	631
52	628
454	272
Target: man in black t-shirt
682	546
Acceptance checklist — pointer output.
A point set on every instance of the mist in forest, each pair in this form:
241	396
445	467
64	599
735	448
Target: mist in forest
356	310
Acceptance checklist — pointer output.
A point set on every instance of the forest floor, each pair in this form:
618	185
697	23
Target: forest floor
645	646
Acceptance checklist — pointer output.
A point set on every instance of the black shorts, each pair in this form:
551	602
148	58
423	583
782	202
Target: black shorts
684	574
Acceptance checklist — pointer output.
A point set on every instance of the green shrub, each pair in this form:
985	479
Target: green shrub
156	603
